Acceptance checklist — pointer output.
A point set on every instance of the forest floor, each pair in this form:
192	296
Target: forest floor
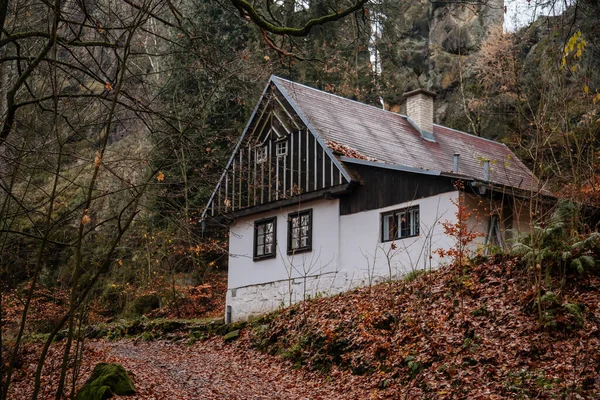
454	333
211	369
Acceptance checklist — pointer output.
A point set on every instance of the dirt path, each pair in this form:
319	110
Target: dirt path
211	370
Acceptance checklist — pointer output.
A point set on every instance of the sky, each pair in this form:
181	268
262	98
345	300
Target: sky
522	12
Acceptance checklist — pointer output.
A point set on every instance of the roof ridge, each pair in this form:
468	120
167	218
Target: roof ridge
382	109
340	97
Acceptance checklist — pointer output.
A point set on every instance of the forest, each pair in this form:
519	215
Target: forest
118	119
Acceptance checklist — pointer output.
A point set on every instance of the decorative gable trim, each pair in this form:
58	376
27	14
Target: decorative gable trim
306	122
235	150
296	162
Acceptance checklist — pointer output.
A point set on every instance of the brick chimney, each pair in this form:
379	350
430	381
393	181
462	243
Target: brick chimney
419	110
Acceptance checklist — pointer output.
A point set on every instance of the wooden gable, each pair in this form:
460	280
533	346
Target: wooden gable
278	157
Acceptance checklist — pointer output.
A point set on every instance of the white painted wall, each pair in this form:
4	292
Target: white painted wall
481	208
365	258
259	287
256	300
347	252
324	257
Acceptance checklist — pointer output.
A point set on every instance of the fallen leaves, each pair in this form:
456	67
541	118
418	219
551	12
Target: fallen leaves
396	340
415	339
206	370
347	151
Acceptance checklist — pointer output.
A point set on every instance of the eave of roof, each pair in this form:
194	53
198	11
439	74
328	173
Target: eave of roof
474	182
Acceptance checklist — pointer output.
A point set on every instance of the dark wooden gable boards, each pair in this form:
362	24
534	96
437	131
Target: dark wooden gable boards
279	156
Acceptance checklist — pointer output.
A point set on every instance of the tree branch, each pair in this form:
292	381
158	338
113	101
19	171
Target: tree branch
63	41
247	9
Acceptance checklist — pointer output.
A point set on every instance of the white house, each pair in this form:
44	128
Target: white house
323	194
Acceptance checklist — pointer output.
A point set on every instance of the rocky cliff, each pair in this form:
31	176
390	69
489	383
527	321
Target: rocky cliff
432	45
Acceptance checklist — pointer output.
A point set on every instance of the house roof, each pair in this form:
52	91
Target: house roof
387	138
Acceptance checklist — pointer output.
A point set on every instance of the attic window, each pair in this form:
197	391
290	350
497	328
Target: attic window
400	224
281	149
261	154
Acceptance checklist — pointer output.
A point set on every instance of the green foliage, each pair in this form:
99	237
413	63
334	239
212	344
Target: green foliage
575	312
413	275
548	300
557	243
414	366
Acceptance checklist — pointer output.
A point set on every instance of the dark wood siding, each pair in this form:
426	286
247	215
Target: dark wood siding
249	182
320	156
384	187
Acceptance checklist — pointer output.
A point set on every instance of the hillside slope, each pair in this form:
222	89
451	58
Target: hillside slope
449	335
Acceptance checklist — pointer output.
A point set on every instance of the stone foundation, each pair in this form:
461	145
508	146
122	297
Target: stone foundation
256	300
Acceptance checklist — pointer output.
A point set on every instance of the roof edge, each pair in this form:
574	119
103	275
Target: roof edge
420	91
470	134
396	167
478	181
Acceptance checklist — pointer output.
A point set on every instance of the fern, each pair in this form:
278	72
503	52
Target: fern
577	266
584	263
575	311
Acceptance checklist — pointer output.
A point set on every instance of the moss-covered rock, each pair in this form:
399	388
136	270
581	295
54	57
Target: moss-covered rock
106	380
144	304
232	335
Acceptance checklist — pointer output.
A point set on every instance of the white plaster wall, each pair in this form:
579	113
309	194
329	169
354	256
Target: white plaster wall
521	220
479	208
347	252
323	258
364	257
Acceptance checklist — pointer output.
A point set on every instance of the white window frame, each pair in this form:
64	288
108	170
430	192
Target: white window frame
281	148
392	224
261	154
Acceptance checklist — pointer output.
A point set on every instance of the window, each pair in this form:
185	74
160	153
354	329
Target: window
300	232
400	224
261	154
281	149
265	232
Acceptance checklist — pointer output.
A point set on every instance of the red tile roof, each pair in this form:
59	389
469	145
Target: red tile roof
389	138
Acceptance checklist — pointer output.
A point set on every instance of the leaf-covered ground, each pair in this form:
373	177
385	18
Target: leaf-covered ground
207	370
451	334
445	335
